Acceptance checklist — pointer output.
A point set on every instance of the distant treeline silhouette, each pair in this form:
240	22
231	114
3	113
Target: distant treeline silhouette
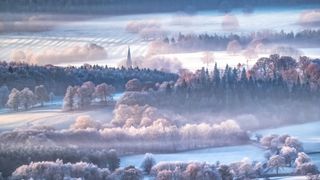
182	42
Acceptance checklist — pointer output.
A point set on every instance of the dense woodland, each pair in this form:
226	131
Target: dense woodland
155	113
271	79
139	6
57	79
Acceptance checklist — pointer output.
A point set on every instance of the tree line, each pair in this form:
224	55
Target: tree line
183	42
275	79
57	79
80	97
24	99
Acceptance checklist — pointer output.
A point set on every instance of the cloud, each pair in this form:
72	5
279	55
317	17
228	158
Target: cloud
146	29
156	62
25	23
34	22
310	18
137	26
55	56
230	22
287	51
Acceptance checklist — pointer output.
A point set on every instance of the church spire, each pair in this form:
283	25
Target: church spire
129	61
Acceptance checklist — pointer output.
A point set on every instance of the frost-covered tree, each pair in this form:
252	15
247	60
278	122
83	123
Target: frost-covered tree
134	85
204	171
59	171
165	174
243	169
276	162
85	94
225	172
27	98
4	93
148	162
304	165
85	122
128	173
103	91
307	168
294	142
302	158
289	153
69	98
14	99
41	94
113	160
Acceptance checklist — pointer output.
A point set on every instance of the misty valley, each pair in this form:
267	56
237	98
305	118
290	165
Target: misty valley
159	89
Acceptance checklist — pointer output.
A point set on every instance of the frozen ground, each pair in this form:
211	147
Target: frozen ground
308	133
224	155
51	115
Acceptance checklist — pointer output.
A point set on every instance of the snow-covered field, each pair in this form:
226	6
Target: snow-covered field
54	117
224	155
51	115
308	133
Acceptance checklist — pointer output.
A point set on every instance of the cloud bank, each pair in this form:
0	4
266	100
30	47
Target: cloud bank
310	18
155	62
55	56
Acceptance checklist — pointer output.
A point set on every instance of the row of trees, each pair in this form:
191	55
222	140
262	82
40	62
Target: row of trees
79	97
272	79
286	151
13	157
25	98
282	151
57	79
58	171
107	165
215	42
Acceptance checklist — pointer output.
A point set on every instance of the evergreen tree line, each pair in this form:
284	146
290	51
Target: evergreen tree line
305	38
271	80
57	79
